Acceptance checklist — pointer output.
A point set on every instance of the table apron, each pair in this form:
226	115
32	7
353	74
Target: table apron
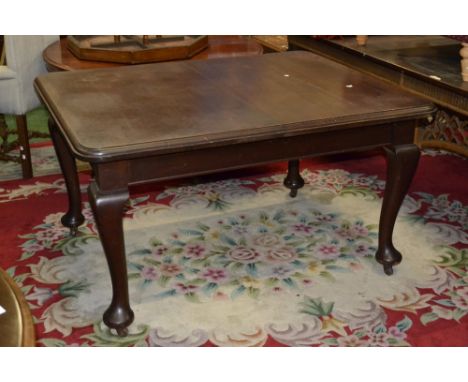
118	174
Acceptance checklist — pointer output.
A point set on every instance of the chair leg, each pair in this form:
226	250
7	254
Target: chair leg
25	151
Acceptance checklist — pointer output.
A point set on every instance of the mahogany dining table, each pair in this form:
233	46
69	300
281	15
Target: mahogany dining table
144	123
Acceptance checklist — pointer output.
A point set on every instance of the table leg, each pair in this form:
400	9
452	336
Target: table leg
73	218
108	211
402	161
293	180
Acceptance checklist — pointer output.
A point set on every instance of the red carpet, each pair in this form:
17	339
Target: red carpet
430	310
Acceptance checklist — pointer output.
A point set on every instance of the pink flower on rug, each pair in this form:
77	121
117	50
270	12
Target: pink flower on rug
361	250
186	288
333	180
149	273
324	218
52	234
214	274
88	214
170	269
360	230
348	341
194	251
302	228
244	254
378	339
311	177
328	251
353	232
346	233
159	250
396	333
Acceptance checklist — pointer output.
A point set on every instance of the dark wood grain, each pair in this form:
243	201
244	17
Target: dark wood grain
167	107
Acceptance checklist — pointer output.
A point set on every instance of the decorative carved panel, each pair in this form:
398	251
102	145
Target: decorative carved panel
447	131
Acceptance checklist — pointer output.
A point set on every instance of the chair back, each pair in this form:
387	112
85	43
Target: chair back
24	62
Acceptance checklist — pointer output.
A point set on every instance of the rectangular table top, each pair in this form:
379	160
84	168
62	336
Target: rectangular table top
119	113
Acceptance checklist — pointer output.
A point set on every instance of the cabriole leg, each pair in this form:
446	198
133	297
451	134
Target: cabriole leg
108	212
402	162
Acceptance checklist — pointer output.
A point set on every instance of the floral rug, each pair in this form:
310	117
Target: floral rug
232	260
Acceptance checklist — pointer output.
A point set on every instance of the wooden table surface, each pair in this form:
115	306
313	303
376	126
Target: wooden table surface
164	107
58	57
16	325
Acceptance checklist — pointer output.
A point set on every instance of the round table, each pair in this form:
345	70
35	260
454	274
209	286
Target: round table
16	324
58	57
